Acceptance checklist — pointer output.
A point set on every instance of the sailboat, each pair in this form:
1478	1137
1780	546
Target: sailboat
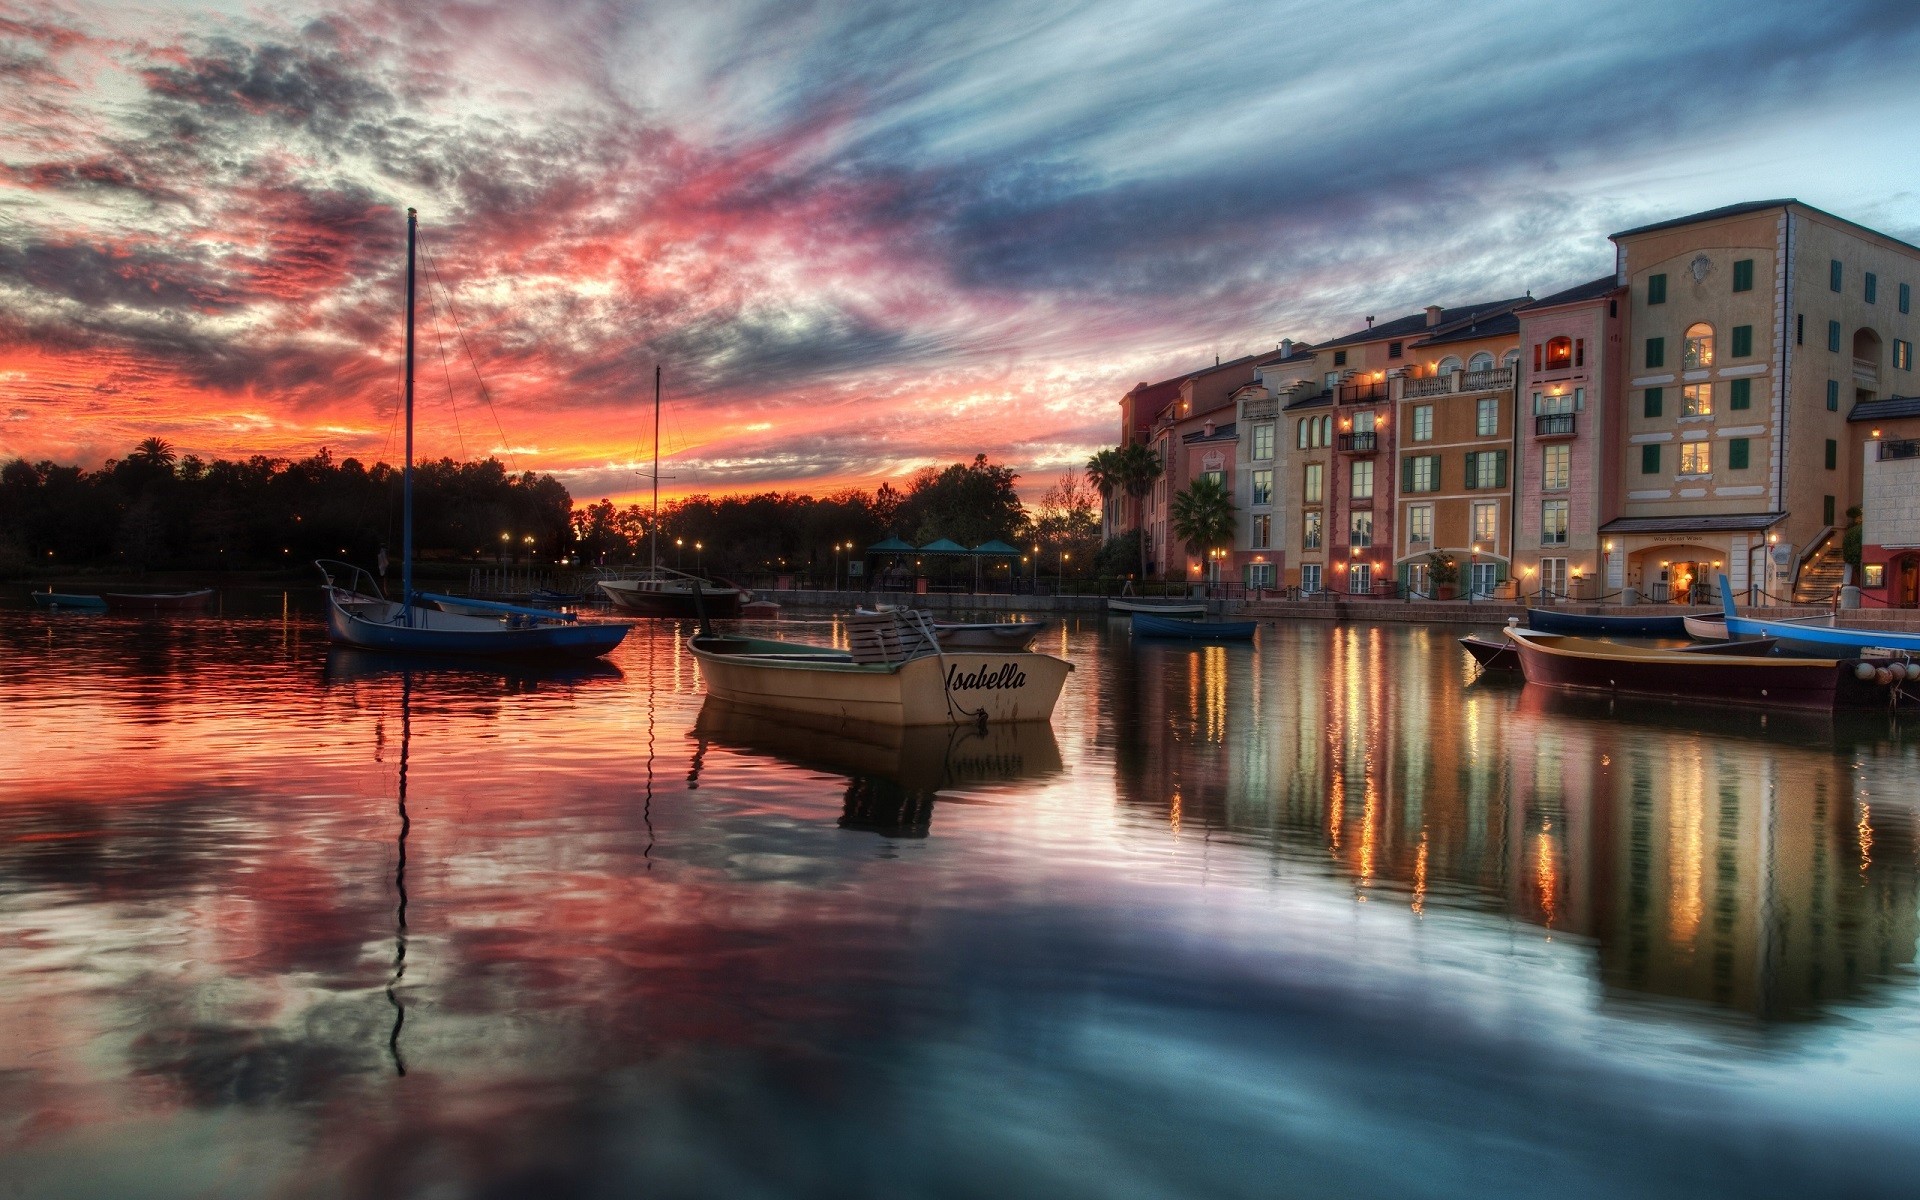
661	591
359	613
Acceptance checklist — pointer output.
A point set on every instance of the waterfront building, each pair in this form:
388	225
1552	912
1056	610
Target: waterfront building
1752	331
1886	447
1261	498
1193	433
1566	484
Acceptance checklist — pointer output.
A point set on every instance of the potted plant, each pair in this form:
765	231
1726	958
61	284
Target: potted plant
1444	570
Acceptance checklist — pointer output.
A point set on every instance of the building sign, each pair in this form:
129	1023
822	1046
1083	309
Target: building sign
1213	461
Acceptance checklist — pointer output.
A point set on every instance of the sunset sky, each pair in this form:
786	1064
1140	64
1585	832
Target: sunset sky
861	237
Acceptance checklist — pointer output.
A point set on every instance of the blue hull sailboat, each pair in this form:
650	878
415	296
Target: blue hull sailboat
1825	639
359	614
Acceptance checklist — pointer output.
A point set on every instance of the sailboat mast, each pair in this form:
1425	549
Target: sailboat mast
656	468
406	479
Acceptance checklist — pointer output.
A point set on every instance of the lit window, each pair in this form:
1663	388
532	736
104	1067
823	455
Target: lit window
1694	460
1486	523
1262	487
1559	353
1313	486
1420	525
1310	529
1262	533
1696	400
1310	576
1423	473
1903	354
1556	468
1553	522
1423	422
1360	529
1362	479
1263	441
1698	354
1487	418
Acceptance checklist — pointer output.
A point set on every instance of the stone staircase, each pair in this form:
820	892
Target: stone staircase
1821	575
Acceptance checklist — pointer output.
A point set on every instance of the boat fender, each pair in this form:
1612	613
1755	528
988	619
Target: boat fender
1913	671
1513	621
1863	671
1883	676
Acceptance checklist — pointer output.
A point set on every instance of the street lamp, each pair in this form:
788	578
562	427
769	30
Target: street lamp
696	557
679	557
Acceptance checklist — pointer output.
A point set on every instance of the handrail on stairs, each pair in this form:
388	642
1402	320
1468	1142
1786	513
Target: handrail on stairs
1818	546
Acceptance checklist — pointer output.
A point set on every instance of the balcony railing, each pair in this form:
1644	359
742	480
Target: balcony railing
1432	385
1358	443
1904	448
1371	392
1487	379
1310	541
1866	368
1553	425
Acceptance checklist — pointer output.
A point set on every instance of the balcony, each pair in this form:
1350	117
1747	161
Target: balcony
1371	392
1551	425
1357	443
1904	448
1432	385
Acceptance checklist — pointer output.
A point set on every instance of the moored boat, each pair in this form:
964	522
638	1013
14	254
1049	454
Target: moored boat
760	609
1561	661
1827	637
70	600
1119	607
1150	625
665	592
1492	655
1711	628
159	602
1547	620
1000	635
937	688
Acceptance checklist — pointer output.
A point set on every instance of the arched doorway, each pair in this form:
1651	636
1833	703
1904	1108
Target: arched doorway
1678	574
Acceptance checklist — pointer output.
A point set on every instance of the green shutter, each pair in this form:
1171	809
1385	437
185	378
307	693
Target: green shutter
1833	275
1742	394
1435	480
1833	454
1743	341
1906	297
1833	395
1743	275
1833	336
1737	454
1654	396
1406	474
1499	468
1657	352
1649	460
1656	289
1472	477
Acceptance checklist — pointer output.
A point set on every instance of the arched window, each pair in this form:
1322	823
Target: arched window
1448	366
1559	353
1512	358
1480	362
1699	351
1304	432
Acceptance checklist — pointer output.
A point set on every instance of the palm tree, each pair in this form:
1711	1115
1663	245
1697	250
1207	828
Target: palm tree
1203	516
1103	471
154	452
1139	467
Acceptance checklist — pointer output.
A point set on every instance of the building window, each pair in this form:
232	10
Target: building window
1696	400
1486	418
1872	291
1313	483
1833	395
1448	366
1486	523
1873	575
1423	422
1480	362
1420	473
1363	421
1656	289
1906	297
1360	579
1556	468
1420	525
1261	536
1649	460
1903	354
1697	353
1833	336
1362	480
1739	454
1339	358
1559	353
1487	469
1310	529
1652	403
1263	442
1553	576
1743	341
1579	352
1331	380
1217	478
1310	578
1553	522
1834	274
1740	394
1826	509
1799	329
1302	432
1694	459
1833	458
1259	575
1743	275
1656	352
1360	529
1393	349
1262	490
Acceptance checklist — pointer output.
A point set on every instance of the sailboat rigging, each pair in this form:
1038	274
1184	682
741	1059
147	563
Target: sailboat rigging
359	614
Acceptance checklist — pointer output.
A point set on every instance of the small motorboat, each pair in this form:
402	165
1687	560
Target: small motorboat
160	602
1150	625
1547	620
760	609
665	592
1491	654
1584	664
1706	628
1001	635
79	603
1159	608
1818	635
894	673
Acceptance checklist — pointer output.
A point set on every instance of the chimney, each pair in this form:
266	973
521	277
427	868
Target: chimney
1369	322
1286	347
1433	315
1209	429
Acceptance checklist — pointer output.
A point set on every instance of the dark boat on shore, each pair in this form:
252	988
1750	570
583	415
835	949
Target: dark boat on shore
1582	664
1499	655
1547	620
71	600
159	602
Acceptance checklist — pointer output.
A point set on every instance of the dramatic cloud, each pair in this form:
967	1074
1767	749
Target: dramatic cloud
860	237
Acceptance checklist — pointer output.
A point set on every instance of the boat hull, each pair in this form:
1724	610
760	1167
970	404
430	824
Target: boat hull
671	602
70	601
1580	664
1124	608
819	683
1490	654
1706	629
159	602
1145	625
1007	635
1547	620
374	625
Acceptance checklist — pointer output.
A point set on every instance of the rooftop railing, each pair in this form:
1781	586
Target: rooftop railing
1902	448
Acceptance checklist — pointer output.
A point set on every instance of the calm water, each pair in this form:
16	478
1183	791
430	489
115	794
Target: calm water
1311	917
